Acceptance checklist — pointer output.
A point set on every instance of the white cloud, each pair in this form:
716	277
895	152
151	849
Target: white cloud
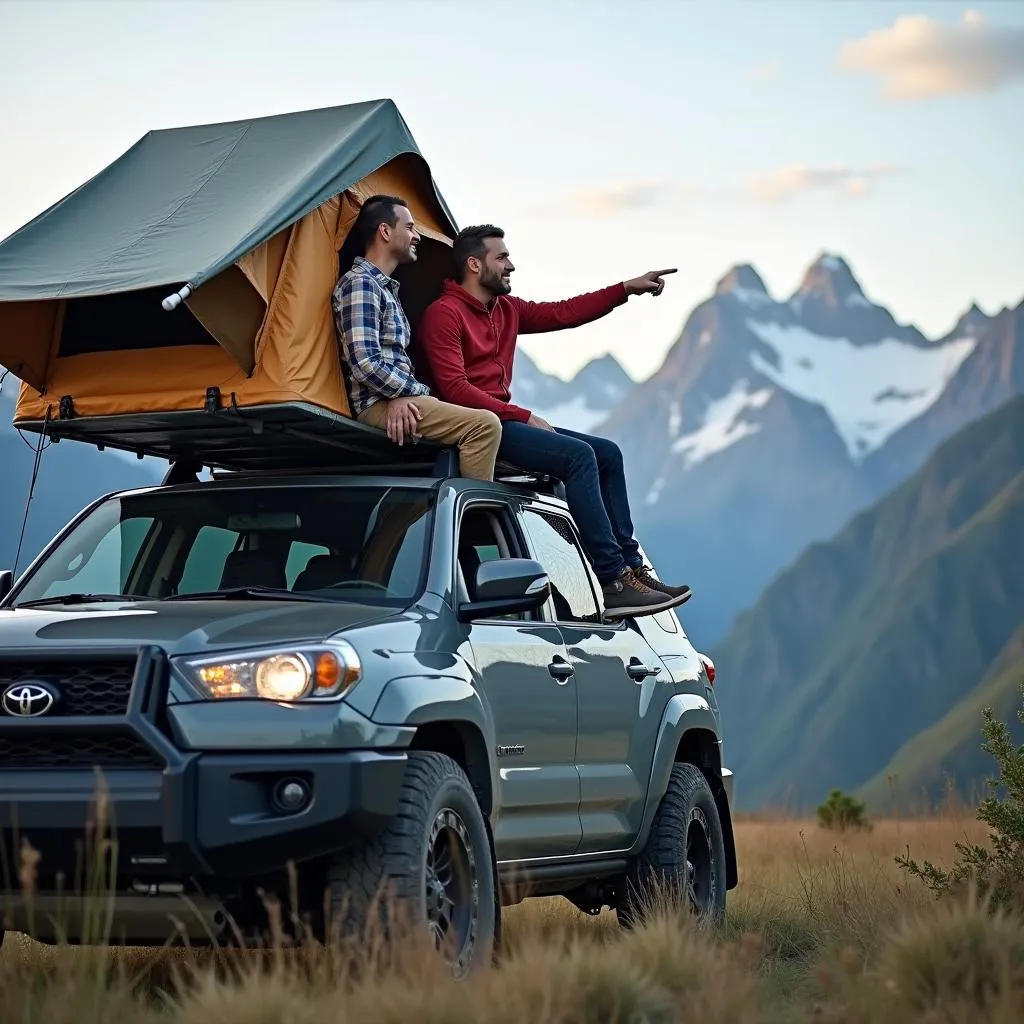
797	179
628	197
778	185
918	58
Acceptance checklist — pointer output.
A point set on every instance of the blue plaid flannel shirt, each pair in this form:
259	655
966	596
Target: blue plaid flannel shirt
374	334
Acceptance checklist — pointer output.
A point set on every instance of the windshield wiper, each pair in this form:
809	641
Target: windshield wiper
80	599
269	593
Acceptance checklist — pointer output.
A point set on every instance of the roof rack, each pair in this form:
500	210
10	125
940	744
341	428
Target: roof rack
284	437
445	467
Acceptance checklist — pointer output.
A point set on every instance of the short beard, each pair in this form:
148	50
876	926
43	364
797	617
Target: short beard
495	285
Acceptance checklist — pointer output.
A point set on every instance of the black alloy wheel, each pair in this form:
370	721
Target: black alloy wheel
436	858
452	890
684	856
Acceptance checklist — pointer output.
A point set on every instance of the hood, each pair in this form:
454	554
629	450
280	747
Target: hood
182	627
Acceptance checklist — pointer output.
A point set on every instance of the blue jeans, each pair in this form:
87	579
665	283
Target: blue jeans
595	488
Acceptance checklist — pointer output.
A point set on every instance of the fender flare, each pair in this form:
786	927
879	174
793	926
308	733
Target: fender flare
689	713
423	700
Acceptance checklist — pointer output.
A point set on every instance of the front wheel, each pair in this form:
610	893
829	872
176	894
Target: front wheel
684	857
434	860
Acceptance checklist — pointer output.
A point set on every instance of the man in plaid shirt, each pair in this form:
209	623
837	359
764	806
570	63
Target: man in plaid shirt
374	336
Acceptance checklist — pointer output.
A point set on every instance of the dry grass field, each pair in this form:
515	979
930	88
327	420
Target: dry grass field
823	927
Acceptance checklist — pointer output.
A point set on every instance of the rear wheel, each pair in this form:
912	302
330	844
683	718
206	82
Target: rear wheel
434	860
684	857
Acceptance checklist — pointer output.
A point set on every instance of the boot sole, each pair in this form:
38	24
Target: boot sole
680	597
613	614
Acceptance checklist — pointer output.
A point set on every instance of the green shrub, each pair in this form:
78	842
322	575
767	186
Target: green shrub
841	812
995	872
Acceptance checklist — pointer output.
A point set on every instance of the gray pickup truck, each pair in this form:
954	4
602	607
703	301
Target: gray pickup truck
374	684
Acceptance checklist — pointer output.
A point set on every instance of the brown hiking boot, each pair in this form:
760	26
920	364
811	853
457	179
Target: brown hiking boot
646	576
626	595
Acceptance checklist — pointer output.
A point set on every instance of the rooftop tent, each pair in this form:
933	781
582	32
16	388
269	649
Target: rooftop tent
243	221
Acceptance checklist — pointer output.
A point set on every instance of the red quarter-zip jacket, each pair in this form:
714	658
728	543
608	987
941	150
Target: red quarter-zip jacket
466	348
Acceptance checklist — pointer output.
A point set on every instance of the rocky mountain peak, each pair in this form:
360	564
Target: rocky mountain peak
606	366
973	322
830	280
742	281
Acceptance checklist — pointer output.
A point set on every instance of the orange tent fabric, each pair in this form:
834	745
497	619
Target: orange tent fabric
270	313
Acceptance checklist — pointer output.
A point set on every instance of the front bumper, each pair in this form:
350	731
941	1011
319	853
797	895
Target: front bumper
176	813
209	815
208	822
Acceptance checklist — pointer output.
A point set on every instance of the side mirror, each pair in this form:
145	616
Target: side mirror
506	586
6	582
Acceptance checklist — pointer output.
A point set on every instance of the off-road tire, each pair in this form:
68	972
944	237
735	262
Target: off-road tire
687	810
394	864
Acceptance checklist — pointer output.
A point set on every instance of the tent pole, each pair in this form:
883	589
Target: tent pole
175	299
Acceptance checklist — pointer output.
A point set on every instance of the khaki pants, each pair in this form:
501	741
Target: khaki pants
476	432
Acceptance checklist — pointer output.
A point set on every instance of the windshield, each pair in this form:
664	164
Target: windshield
366	544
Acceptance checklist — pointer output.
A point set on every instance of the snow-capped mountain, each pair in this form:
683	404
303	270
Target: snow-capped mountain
831	345
827	344
578	404
775	414
991	374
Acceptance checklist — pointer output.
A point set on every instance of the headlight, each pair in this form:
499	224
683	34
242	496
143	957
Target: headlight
285	674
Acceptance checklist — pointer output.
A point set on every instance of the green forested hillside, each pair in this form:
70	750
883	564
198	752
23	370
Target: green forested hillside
949	752
873	637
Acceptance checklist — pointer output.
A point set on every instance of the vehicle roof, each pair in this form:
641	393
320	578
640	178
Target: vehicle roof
233	481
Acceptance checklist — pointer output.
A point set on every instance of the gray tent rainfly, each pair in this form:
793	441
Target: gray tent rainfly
184	203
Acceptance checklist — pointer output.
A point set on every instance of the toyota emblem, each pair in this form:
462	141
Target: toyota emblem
28	700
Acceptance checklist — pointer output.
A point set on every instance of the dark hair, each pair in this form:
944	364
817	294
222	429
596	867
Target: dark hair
376	210
470	242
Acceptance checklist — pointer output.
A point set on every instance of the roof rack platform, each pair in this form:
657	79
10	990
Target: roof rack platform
287	436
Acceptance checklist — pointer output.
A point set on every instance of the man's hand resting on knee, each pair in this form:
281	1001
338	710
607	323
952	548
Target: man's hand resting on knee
536	421
403	416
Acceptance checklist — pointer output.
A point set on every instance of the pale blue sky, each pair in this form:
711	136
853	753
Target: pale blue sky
608	138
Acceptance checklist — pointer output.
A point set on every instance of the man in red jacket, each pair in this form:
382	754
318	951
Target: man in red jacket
467	340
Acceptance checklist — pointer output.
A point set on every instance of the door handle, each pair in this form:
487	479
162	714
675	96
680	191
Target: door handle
639	671
560	669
